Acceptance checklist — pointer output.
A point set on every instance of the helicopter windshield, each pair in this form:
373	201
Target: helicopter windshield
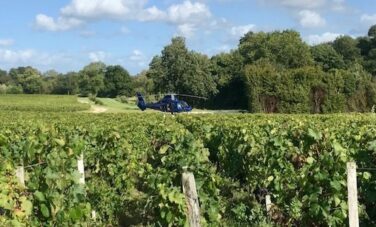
183	104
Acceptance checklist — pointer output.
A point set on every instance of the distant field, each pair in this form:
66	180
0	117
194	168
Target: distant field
45	103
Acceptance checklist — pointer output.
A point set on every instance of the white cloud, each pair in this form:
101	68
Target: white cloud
186	16
310	19
151	14
11	56
61	61
97	56
368	19
6	42
45	22
323	38
186	30
138	57
135	10
239	31
308	4
338	5
303	3
299	4
188	12
93	9
189	17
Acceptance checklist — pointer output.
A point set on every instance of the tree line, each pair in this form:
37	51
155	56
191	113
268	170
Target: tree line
274	72
94	79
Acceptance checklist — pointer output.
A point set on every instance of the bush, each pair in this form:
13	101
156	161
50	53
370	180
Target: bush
96	100
122	99
15	89
3	89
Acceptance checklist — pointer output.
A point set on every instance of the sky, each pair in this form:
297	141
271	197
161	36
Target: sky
66	35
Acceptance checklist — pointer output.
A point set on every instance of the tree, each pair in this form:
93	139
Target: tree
157	73
364	44
117	81
227	71
327	57
4	78
178	70
261	81
143	84
33	84
28	78
67	84
359	89
284	48
372	31
19	75
348	48
50	79
92	78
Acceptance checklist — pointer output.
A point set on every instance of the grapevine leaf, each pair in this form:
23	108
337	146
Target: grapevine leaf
45	211
310	160
27	207
40	196
163	149
314	134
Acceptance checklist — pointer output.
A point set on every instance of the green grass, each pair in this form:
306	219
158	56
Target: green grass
45	103
114	106
111	105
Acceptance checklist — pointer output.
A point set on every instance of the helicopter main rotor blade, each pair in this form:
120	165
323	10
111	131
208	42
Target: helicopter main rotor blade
192	96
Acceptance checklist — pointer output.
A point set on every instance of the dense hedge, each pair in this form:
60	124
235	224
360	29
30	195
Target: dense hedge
308	90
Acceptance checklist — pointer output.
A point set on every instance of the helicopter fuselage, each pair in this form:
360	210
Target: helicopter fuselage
168	104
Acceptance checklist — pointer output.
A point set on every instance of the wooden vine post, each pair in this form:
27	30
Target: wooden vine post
268	203
81	170
20	173
352	190
191	197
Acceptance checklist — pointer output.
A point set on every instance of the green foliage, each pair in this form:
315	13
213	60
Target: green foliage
227	71
67	84
299	160
143	84
4	78
372	31
95	100
91	78
285	48
308	89
45	103
178	70
133	168
117	81
347	47
327	57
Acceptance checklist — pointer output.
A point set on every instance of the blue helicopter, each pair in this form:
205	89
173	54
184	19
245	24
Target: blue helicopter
169	103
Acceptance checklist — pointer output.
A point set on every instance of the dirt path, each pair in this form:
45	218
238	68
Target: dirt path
93	108
98	109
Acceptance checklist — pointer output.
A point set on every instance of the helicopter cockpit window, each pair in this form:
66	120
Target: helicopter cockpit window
183	104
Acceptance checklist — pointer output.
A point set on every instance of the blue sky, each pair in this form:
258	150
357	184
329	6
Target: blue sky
68	34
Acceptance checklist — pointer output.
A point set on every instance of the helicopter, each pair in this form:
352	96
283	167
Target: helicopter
169	103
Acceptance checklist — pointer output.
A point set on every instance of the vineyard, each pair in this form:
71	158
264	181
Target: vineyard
133	167
45	103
